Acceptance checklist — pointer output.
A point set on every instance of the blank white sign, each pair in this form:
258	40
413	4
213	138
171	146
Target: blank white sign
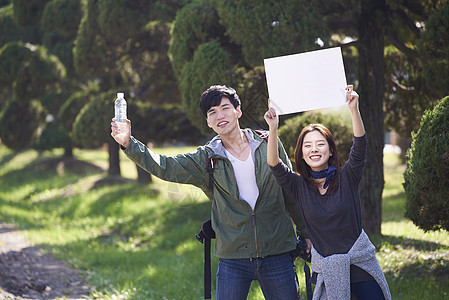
306	81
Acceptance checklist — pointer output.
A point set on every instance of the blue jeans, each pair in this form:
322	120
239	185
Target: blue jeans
275	274
367	290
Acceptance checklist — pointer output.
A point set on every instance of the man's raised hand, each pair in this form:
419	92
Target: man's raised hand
121	132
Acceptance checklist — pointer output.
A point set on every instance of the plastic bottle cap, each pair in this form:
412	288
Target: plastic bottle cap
120	95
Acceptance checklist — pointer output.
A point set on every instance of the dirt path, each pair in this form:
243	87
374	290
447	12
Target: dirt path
27	273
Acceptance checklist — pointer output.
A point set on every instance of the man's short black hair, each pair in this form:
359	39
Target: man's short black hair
212	97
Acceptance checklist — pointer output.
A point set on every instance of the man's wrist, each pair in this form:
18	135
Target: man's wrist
126	145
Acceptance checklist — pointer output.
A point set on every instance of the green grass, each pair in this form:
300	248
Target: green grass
415	263
137	241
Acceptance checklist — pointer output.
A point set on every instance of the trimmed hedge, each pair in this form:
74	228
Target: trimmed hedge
426	177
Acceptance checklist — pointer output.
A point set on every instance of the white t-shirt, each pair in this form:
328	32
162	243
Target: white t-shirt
245	175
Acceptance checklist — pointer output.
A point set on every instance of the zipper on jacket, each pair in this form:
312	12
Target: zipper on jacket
253	215
253	221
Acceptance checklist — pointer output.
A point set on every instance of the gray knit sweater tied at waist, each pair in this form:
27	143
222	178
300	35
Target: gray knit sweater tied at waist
333	280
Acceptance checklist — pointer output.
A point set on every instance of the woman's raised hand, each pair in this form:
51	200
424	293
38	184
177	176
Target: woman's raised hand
352	98
271	117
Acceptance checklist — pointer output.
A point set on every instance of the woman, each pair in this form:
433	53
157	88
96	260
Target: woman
342	255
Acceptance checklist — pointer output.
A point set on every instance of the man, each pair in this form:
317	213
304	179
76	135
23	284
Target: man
250	213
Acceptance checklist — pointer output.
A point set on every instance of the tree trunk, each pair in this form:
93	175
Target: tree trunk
68	151
114	159
143	177
371	89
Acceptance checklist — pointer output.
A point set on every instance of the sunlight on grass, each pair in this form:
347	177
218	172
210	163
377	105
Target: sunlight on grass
415	263
138	241
407	229
17	161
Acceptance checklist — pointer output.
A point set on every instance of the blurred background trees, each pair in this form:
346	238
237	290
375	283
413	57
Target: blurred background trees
62	62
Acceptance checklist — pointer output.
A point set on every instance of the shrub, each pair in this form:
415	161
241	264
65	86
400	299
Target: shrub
19	123
53	136
208	66
426	178
92	126
341	130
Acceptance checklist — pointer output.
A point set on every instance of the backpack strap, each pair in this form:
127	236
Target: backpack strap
262	134
309	292
210	166
207	264
308	281
207	270
205	235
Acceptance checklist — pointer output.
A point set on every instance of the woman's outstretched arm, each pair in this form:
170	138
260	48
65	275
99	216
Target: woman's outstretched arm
352	98
272	120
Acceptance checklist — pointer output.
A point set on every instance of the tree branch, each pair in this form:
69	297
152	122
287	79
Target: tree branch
400	85
410	23
347	45
401	46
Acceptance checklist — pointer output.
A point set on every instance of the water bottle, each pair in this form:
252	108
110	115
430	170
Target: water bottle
120	109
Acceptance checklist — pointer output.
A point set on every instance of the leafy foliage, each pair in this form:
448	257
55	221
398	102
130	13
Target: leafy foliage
342	132
271	28
232	38
53	136
32	73
28	12
92	126
62	16
210	65
416	62
19	122
9	31
73	105
195	24
38	74
426	177
120	20
11	57
406	95
90	50
60	21
434	49
162	125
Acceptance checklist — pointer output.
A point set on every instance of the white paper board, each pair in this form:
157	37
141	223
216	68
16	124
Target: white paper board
306	81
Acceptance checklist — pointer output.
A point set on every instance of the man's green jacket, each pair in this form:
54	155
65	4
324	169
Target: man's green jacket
241	232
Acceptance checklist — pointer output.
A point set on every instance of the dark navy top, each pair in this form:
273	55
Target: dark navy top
333	220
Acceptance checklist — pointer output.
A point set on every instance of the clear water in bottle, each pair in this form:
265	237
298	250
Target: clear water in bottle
120	108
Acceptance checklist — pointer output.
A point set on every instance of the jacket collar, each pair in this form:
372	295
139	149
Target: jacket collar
216	143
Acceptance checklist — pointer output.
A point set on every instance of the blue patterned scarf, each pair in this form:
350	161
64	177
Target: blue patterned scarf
328	173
